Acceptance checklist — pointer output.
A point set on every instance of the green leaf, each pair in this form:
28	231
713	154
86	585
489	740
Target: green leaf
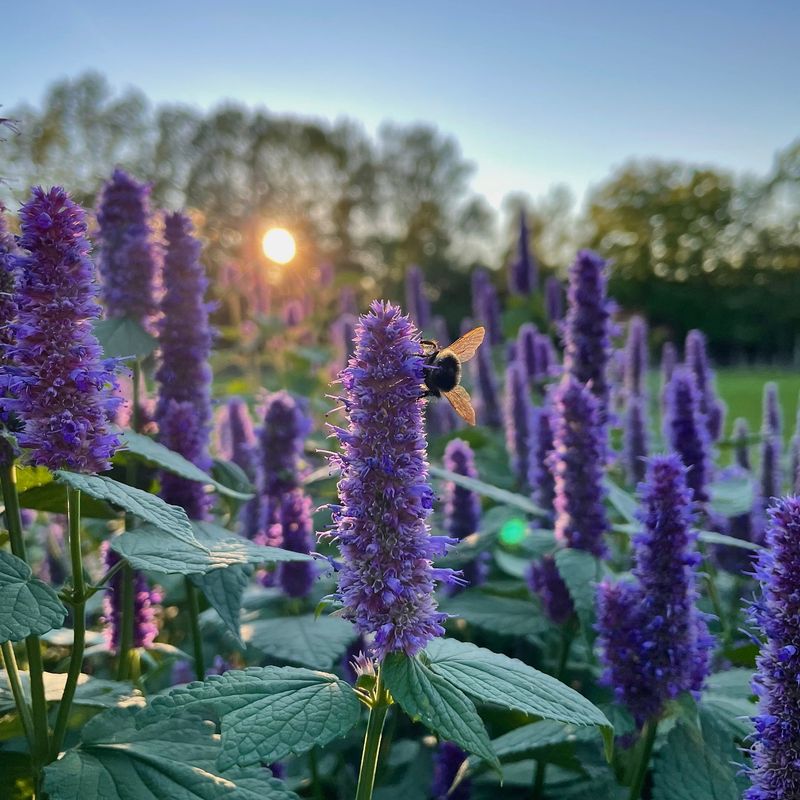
123	337
31	477
580	570
686	768
213	547
163	759
507	682
505	615
546	740
148	507
232	477
437	703
304	640
27	606
712	537
224	588
624	503
151	452
267	713
52	497
733	496
502	496
91	691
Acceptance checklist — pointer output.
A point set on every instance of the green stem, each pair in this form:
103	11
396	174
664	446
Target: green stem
713	596
647	740
78	620
316	786
41	725
567	637
372	743
10	662
126	624
193	603
127	609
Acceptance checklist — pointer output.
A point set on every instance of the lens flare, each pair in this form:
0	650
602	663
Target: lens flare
279	246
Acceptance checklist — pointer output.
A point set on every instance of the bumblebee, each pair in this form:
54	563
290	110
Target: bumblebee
443	371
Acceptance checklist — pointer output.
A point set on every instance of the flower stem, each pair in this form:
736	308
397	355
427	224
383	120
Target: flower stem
193	603
372	742
127	579
647	740
78	619
10	663
41	725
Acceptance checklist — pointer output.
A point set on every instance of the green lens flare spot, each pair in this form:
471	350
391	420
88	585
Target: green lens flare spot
513	531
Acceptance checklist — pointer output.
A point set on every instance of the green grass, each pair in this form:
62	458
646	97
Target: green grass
741	389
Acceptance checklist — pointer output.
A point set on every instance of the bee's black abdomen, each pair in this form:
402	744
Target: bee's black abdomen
445	375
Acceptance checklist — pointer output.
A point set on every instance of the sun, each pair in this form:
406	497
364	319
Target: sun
278	245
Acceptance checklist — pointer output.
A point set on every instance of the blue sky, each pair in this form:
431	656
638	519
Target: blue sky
537	93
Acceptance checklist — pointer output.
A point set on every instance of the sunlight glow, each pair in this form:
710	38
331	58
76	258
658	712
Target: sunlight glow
278	245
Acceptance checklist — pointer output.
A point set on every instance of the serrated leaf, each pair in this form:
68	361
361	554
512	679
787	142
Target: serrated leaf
507	682
505	615
502	496
164	759
213	547
687	769
437	703
580	570
148	507
27	606
267	713
305	640
155	454
122	337
224	588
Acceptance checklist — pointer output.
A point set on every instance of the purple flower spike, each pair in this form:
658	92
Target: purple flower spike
635	439
528	352
145	606
487	401
386	583
128	260
517	416
59	385
417	302
553	299
685	431
577	463
636	360
540	445
281	444
741	444
587	328
447	763
775	774
697	361
486	307
343	331
654	642
236	436
523	275
8	308
183	411
348	302
296	577
545	581
771	444
462	507
669	360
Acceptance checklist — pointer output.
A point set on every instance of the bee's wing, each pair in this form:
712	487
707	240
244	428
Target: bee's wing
460	400
467	345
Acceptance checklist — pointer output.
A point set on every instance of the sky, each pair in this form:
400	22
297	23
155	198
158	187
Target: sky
537	93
